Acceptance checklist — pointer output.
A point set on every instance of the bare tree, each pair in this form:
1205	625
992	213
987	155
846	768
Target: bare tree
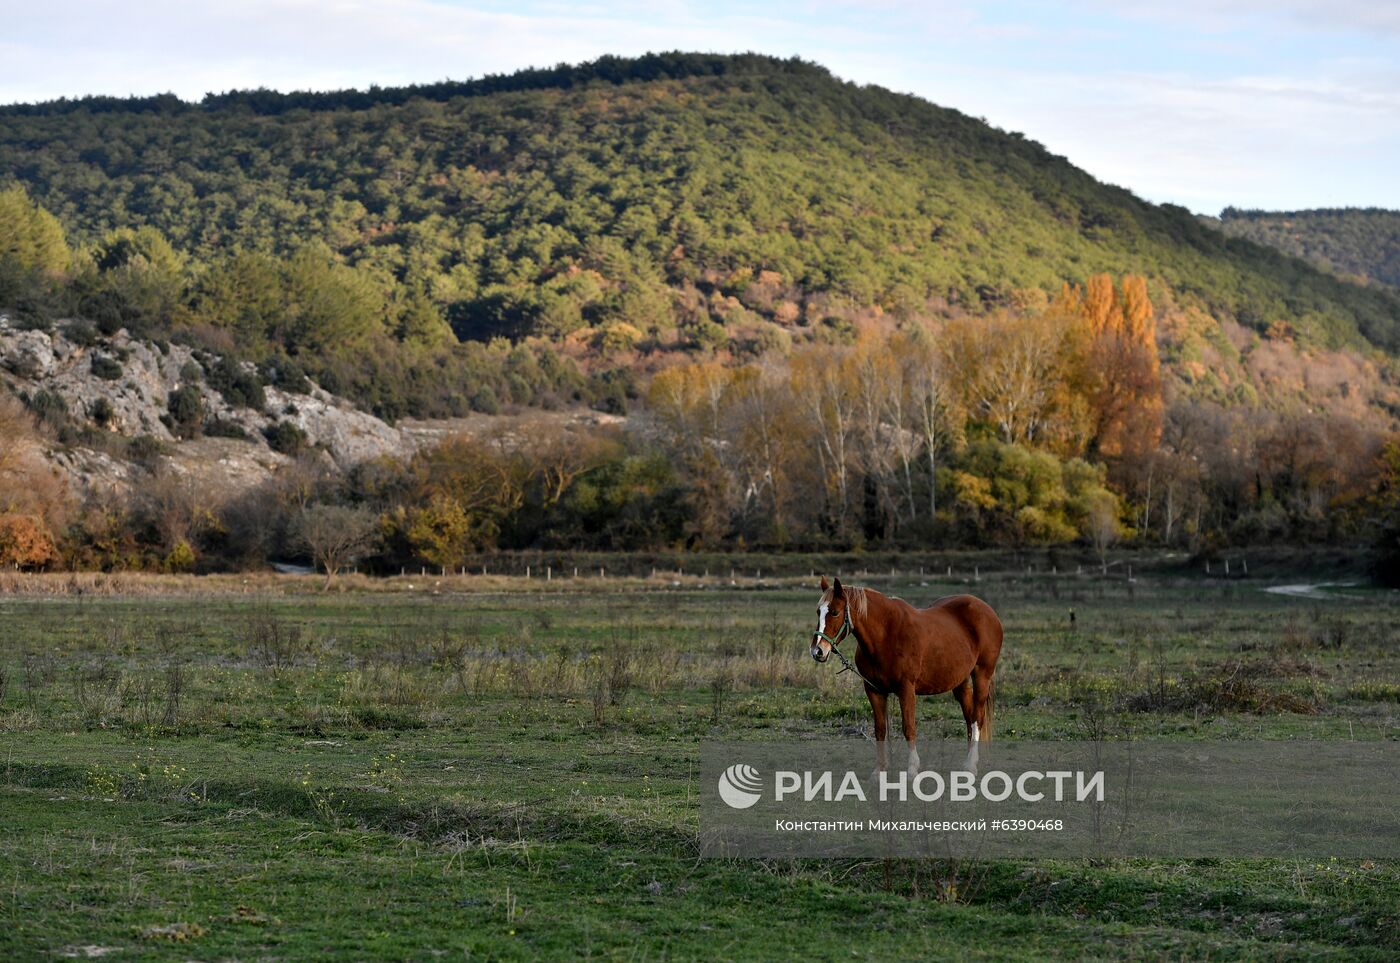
177	505
337	535
760	420
822	383
1103	527
1009	366
930	407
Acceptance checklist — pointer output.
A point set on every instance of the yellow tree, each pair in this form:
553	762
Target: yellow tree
1120	368
29	235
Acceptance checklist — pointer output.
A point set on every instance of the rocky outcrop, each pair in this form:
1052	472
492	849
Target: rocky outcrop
124	385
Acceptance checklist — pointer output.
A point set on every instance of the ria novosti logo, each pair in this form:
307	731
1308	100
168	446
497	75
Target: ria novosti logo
740	786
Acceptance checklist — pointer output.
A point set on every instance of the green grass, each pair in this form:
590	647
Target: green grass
510	775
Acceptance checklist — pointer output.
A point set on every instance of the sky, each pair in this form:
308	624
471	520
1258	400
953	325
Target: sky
1276	104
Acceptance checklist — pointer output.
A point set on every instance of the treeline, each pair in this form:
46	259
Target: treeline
1034	427
674	65
1357	243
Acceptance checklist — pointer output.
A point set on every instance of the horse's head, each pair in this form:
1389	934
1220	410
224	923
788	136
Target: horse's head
832	625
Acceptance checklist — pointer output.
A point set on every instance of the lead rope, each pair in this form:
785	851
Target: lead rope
847	664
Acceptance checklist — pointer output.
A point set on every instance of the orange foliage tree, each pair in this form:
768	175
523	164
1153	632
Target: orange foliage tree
33	498
1120	370
25	542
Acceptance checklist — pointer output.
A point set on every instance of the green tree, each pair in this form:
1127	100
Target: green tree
30	237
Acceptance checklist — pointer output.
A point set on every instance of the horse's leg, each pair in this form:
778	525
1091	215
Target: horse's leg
982	692
882	726
909	711
963	693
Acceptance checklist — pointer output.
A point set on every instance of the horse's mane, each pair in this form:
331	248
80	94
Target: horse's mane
855	599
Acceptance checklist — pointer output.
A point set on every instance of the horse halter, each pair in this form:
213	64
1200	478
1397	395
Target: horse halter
847	629
841	633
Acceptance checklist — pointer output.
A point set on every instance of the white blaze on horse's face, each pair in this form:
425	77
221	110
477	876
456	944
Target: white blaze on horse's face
821	649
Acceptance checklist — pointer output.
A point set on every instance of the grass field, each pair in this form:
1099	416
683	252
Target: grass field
503	769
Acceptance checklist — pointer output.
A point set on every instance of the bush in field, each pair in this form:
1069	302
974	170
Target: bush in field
181	558
25	542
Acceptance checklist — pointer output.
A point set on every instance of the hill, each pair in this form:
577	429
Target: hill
1360	244
672	201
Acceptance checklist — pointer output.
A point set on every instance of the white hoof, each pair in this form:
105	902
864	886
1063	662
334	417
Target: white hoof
970	764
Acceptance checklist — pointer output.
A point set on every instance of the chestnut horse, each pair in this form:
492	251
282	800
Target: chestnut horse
951	646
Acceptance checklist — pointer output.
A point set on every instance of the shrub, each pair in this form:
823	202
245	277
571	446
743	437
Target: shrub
180	558
49	407
285	437
223	428
82	333
287	374
145	448
108	369
101	412
25	542
186	406
485	401
240	387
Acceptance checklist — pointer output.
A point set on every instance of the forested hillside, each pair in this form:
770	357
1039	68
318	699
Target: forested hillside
628	198
1362	244
838	316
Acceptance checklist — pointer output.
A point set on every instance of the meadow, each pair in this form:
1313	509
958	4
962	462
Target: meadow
503	768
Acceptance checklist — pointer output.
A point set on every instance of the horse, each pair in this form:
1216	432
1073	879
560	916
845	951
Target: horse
951	646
